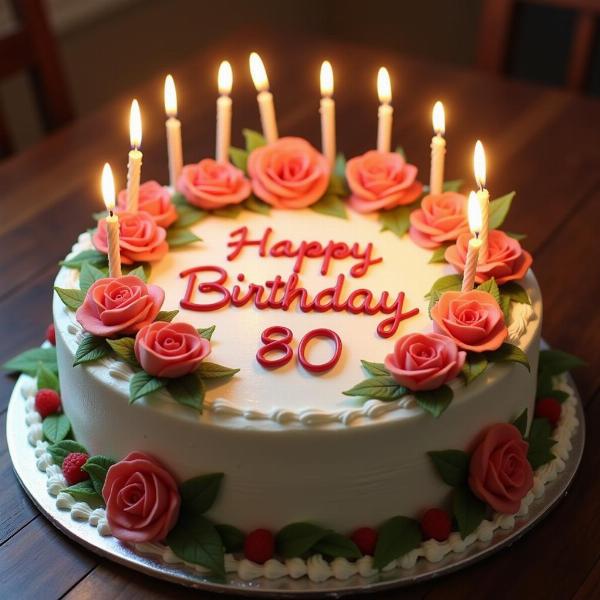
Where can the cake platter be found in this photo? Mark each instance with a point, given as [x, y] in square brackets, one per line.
[35, 484]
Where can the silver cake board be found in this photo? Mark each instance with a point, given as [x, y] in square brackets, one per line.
[34, 483]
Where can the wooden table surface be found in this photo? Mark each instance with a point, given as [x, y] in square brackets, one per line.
[544, 143]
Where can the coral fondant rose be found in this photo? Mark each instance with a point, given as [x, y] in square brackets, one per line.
[441, 218]
[142, 499]
[506, 259]
[424, 361]
[140, 238]
[119, 305]
[154, 199]
[211, 185]
[499, 472]
[289, 173]
[381, 180]
[472, 319]
[170, 349]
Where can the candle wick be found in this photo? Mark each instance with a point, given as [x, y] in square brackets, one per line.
[110, 213]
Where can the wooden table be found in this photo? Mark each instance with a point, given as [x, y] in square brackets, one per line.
[541, 142]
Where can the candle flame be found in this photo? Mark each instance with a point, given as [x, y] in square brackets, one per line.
[479, 164]
[439, 118]
[108, 187]
[258, 72]
[225, 78]
[170, 97]
[326, 79]
[474, 212]
[384, 86]
[135, 125]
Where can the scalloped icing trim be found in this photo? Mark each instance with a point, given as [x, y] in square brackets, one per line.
[315, 567]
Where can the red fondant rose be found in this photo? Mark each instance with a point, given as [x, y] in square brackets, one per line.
[170, 349]
[472, 319]
[119, 305]
[441, 218]
[289, 173]
[154, 199]
[140, 239]
[424, 361]
[381, 180]
[506, 259]
[142, 499]
[211, 185]
[499, 472]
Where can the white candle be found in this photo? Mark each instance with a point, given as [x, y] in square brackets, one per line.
[265, 98]
[224, 81]
[474, 247]
[173, 126]
[385, 112]
[134, 165]
[479, 165]
[327, 111]
[438, 150]
[112, 222]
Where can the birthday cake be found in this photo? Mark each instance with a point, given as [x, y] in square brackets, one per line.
[296, 367]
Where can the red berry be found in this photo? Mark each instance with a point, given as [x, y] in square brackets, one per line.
[436, 524]
[51, 334]
[366, 539]
[47, 402]
[259, 546]
[72, 467]
[548, 408]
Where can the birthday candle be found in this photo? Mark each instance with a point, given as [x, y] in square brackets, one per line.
[134, 166]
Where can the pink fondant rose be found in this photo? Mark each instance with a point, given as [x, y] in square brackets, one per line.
[424, 361]
[142, 499]
[499, 472]
[441, 218]
[381, 180]
[472, 319]
[140, 239]
[154, 199]
[211, 185]
[289, 173]
[119, 305]
[506, 259]
[170, 349]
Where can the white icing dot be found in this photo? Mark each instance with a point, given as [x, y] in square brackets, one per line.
[296, 567]
[273, 569]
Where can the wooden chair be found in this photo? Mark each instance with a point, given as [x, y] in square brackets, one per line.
[33, 48]
[495, 35]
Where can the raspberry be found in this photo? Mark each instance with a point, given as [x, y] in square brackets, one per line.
[548, 408]
[436, 524]
[51, 334]
[366, 540]
[72, 467]
[259, 546]
[47, 402]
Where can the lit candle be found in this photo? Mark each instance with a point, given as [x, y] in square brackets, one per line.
[265, 98]
[224, 81]
[173, 126]
[327, 111]
[483, 195]
[112, 222]
[474, 210]
[385, 112]
[134, 166]
[438, 150]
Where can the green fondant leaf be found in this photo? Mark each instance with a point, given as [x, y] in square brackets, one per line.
[298, 538]
[91, 348]
[438, 255]
[505, 303]
[396, 220]
[434, 298]
[56, 428]
[544, 383]
[435, 402]
[381, 387]
[29, 362]
[199, 494]
[509, 353]
[71, 298]
[208, 370]
[196, 540]
[374, 368]
[91, 256]
[254, 204]
[166, 315]
[330, 205]
[232, 537]
[396, 537]
[188, 215]
[141, 272]
[181, 237]
[521, 423]
[142, 384]
[540, 443]
[475, 365]
[337, 186]
[468, 510]
[452, 185]
[178, 199]
[253, 139]
[47, 379]
[124, 348]
[499, 209]
[340, 166]
[491, 287]
[447, 283]
[60, 450]
[239, 158]
[400, 150]
[335, 545]
[187, 390]
[451, 465]
[228, 212]
[557, 395]
[207, 332]
[84, 491]
[97, 467]
[516, 236]
[555, 362]
[515, 292]
[89, 274]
